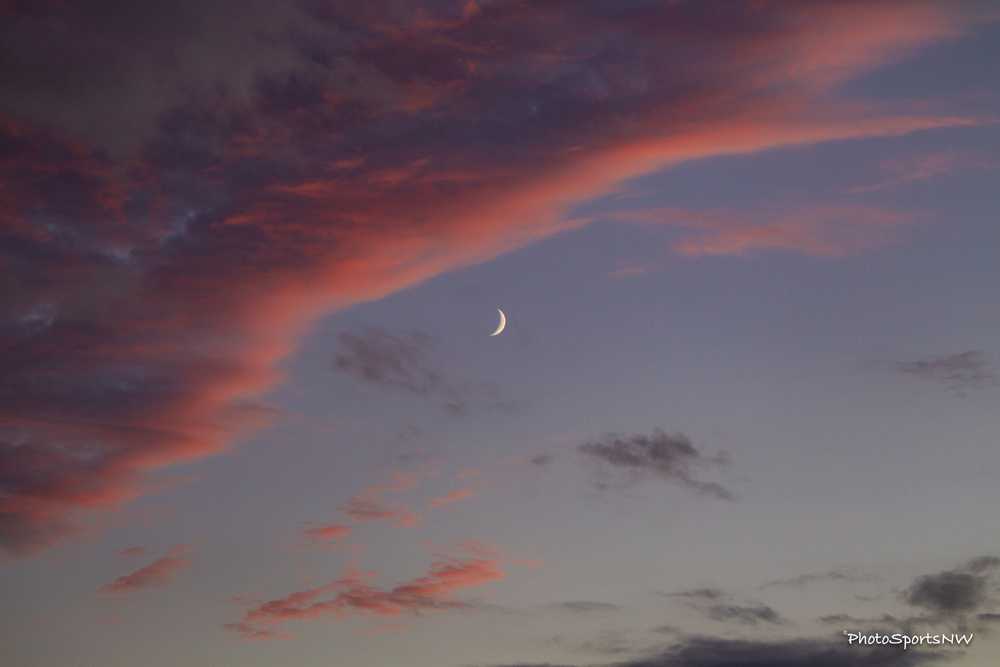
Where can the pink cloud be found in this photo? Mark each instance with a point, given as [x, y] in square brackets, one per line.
[136, 345]
[822, 231]
[157, 574]
[920, 168]
[330, 532]
[353, 594]
[455, 496]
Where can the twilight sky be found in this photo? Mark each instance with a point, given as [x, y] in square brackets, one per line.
[251, 254]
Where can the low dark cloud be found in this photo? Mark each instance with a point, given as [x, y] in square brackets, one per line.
[960, 372]
[541, 460]
[669, 457]
[404, 362]
[839, 576]
[718, 652]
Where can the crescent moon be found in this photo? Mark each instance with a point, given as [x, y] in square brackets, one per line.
[502, 325]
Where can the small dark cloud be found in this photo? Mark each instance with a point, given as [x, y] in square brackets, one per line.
[847, 620]
[836, 576]
[670, 457]
[743, 614]
[989, 617]
[959, 372]
[541, 460]
[403, 362]
[947, 593]
[585, 606]
[700, 594]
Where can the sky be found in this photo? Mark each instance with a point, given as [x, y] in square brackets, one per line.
[251, 412]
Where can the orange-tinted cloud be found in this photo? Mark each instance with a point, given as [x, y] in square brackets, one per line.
[353, 594]
[330, 532]
[823, 231]
[157, 574]
[147, 303]
[455, 496]
[900, 172]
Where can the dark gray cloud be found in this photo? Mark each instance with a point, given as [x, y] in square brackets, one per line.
[585, 606]
[541, 460]
[404, 362]
[717, 652]
[670, 457]
[699, 594]
[982, 564]
[948, 593]
[743, 614]
[717, 605]
[840, 576]
[959, 372]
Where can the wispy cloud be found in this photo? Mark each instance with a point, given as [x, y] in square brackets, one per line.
[157, 574]
[456, 496]
[959, 372]
[585, 607]
[403, 362]
[833, 230]
[325, 533]
[900, 172]
[838, 576]
[354, 594]
[669, 457]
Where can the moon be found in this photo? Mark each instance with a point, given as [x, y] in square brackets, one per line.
[502, 325]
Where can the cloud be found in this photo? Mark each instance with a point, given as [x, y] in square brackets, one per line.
[458, 495]
[328, 155]
[363, 510]
[719, 652]
[837, 576]
[585, 606]
[670, 457]
[948, 593]
[716, 605]
[700, 594]
[330, 532]
[921, 168]
[157, 574]
[716, 652]
[541, 460]
[982, 564]
[744, 614]
[819, 231]
[959, 372]
[354, 595]
[403, 362]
